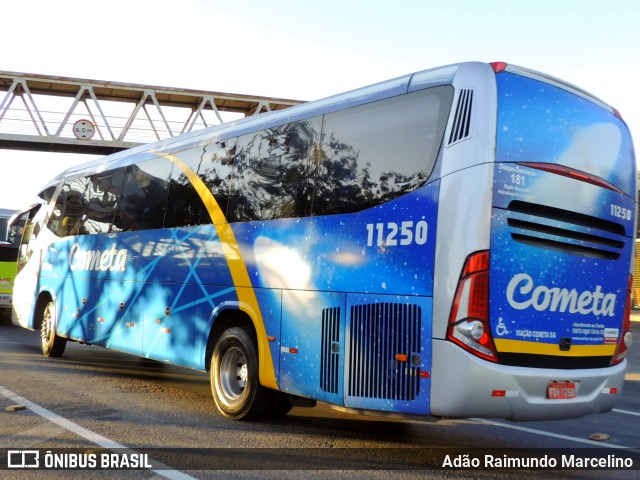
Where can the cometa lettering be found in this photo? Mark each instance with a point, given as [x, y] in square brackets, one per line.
[522, 293]
[112, 260]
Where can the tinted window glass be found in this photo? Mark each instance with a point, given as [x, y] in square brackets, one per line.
[376, 152]
[538, 122]
[28, 223]
[144, 195]
[273, 172]
[185, 207]
[215, 170]
[69, 209]
[101, 199]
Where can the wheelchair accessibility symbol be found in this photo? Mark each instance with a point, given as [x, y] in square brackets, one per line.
[501, 329]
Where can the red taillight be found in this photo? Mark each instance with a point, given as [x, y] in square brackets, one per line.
[624, 342]
[469, 319]
[499, 66]
[571, 173]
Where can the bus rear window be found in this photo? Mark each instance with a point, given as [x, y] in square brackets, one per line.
[539, 122]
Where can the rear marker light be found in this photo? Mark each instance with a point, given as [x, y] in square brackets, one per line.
[504, 393]
[499, 66]
[292, 350]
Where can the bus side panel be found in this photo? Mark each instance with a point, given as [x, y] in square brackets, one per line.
[388, 353]
[167, 312]
[138, 292]
[121, 317]
[78, 312]
[313, 344]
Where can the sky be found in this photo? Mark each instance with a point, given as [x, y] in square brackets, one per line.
[306, 50]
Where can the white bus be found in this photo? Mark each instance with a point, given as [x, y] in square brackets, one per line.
[455, 242]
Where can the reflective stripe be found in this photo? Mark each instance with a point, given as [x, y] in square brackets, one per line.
[519, 346]
[238, 269]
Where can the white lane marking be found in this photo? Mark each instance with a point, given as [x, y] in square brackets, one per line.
[554, 435]
[93, 437]
[626, 412]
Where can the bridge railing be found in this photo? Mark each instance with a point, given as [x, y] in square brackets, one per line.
[46, 113]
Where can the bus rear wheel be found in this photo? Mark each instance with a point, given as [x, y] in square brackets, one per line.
[234, 377]
[52, 344]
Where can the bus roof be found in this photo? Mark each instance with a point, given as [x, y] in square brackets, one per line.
[411, 82]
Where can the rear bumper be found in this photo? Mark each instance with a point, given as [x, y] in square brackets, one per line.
[462, 386]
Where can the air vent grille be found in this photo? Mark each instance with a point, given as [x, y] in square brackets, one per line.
[384, 359]
[330, 350]
[461, 127]
[562, 230]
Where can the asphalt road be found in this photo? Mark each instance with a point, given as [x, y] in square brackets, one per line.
[93, 401]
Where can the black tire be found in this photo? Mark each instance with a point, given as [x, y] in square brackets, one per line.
[52, 344]
[280, 405]
[235, 384]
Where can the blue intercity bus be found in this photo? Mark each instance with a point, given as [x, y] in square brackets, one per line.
[455, 242]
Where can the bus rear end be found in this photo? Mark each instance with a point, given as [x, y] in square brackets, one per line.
[541, 318]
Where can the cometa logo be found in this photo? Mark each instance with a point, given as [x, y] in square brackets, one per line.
[112, 260]
[522, 293]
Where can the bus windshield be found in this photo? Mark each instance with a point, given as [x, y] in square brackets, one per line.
[539, 122]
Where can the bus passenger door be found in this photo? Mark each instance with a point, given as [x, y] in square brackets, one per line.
[313, 345]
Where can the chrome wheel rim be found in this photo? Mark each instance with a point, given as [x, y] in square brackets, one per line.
[46, 329]
[234, 374]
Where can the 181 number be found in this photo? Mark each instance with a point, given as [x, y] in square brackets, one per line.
[392, 234]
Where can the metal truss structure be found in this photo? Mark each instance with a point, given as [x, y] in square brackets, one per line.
[47, 113]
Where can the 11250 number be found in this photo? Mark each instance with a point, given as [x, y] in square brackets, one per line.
[392, 234]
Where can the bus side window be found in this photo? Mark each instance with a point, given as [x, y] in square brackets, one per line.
[375, 152]
[273, 172]
[144, 195]
[101, 197]
[69, 208]
[216, 168]
[185, 207]
[213, 164]
[29, 226]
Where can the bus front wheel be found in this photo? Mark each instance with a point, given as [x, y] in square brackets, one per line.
[52, 344]
[234, 376]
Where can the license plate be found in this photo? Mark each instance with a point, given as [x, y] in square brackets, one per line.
[561, 390]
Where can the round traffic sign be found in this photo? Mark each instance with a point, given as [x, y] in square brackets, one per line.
[83, 130]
